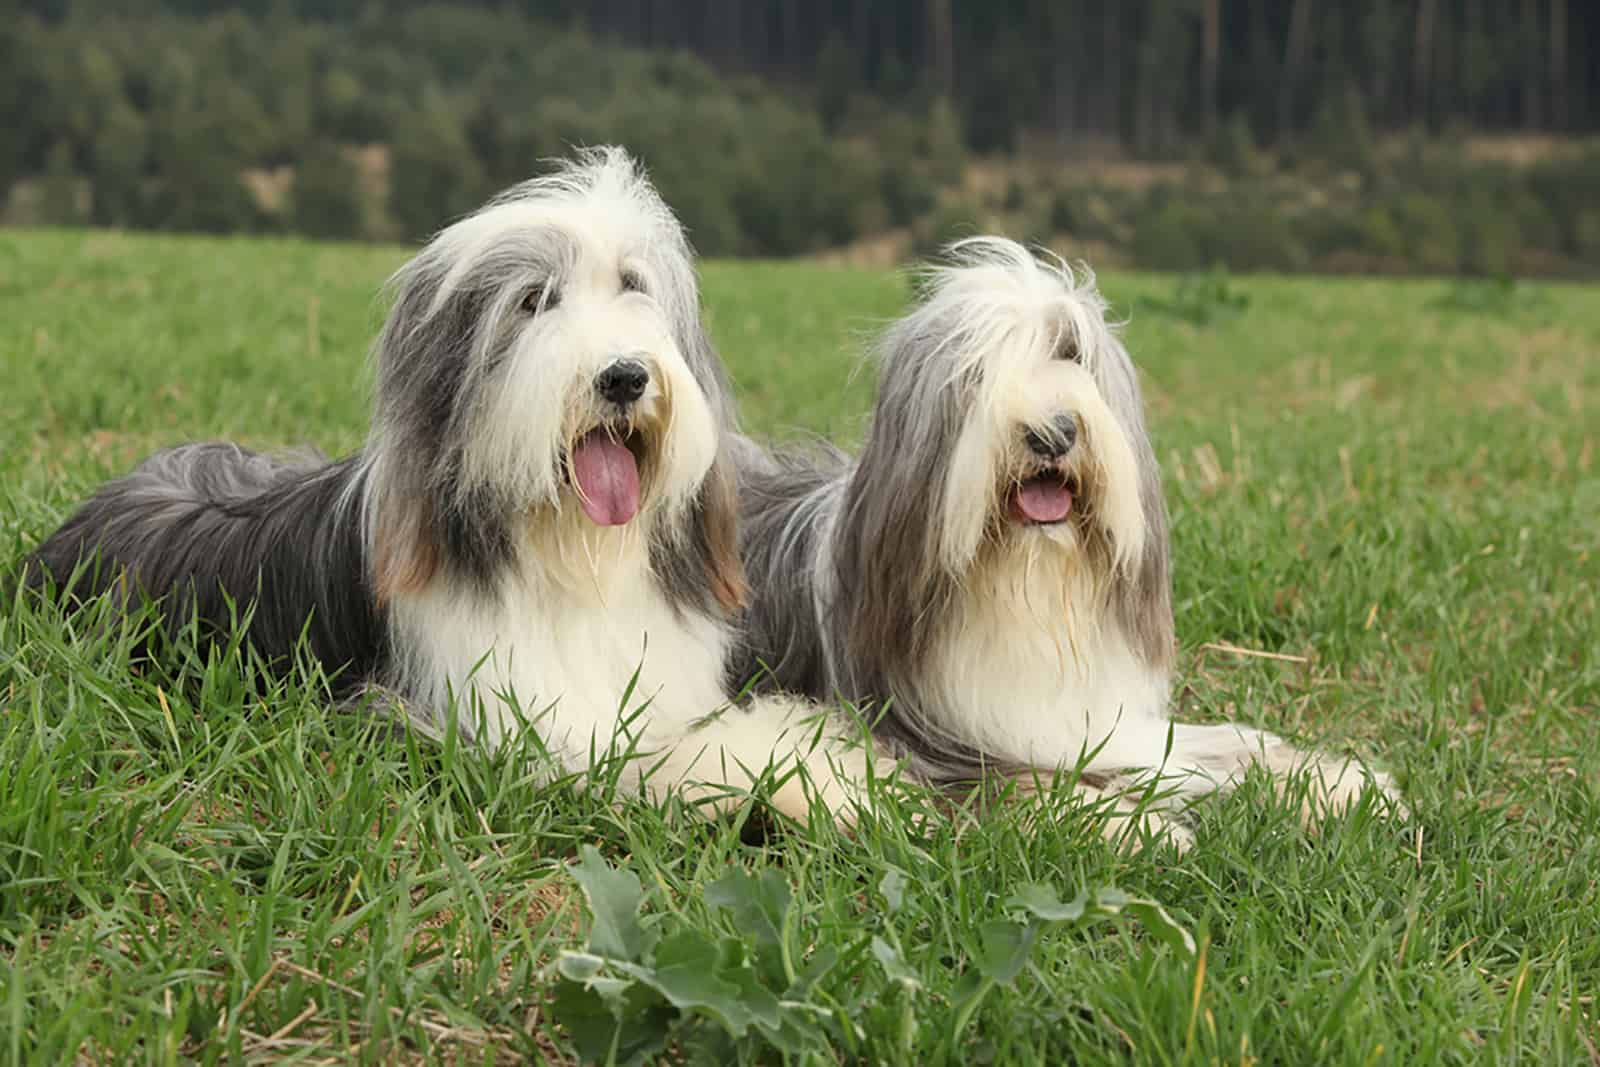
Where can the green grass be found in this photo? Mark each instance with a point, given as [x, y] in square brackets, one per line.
[1391, 485]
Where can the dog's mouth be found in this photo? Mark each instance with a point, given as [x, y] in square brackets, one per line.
[604, 466]
[1043, 499]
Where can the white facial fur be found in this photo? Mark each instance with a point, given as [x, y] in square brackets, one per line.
[538, 396]
[1029, 348]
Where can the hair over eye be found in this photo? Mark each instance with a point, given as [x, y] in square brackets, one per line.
[541, 297]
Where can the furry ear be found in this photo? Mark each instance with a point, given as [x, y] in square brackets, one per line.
[715, 519]
[698, 562]
[422, 359]
[1144, 602]
[405, 548]
[718, 520]
[890, 573]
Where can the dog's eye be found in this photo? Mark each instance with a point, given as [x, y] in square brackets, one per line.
[632, 282]
[1068, 351]
[541, 297]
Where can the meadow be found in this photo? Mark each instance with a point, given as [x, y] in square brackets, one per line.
[1387, 540]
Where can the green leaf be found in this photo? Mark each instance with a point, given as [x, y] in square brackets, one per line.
[894, 966]
[1004, 948]
[1042, 902]
[758, 905]
[614, 897]
[1152, 916]
[893, 888]
[636, 1026]
[1161, 926]
[696, 975]
[821, 962]
[580, 966]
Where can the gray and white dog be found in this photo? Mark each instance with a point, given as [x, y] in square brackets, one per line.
[541, 524]
[990, 574]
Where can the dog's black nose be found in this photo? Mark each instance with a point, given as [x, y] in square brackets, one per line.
[623, 381]
[1055, 438]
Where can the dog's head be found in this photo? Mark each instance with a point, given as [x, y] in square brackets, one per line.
[1008, 424]
[544, 372]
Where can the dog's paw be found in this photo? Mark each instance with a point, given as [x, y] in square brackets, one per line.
[1336, 785]
[1132, 819]
[1139, 830]
[836, 775]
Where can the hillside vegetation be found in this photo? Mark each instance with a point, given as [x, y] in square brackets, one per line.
[1269, 138]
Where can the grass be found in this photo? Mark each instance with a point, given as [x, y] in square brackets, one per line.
[1394, 492]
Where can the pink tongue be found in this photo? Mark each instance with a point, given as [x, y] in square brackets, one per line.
[607, 477]
[1043, 501]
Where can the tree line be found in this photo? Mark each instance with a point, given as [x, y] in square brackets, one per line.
[150, 114]
[778, 127]
[1152, 74]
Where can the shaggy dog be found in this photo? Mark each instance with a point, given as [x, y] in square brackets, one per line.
[991, 573]
[541, 528]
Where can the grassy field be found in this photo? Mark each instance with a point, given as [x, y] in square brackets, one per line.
[1390, 486]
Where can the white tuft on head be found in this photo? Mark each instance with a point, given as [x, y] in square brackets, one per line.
[1020, 340]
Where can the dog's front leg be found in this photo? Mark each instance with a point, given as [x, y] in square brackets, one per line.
[1216, 758]
[811, 755]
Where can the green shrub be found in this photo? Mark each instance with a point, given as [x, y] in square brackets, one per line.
[907, 192]
[1432, 243]
[1066, 213]
[949, 222]
[1340, 134]
[1201, 298]
[59, 202]
[1250, 238]
[1173, 237]
[1016, 196]
[120, 157]
[1380, 233]
[1489, 239]
[327, 194]
[433, 176]
[1232, 148]
[1586, 238]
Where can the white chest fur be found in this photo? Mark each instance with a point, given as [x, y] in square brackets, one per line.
[1033, 669]
[563, 653]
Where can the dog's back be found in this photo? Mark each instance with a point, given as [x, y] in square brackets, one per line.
[783, 496]
[212, 531]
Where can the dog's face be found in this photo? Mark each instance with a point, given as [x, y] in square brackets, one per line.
[1008, 425]
[1028, 379]
[544, 367]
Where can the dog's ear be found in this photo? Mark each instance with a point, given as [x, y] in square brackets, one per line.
[421, 358]
[1145, 600]
[716, 509]
[718, 533]
[698, 561]
[405, 547]
[892, 581]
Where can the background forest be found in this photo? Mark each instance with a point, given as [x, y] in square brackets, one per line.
[1349, 135]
